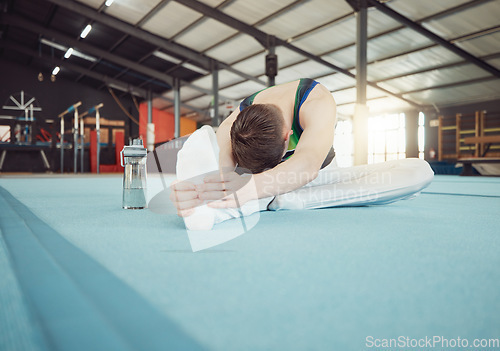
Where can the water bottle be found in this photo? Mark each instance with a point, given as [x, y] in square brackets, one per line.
[133, 159]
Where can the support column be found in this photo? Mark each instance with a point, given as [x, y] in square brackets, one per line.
[177, 108]
[215, 88]
[411, 126]
[360, 122]
[271, 61]
[62, 144]
[75, 141]
[150, 129]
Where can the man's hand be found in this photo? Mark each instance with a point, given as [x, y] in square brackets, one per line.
[222, 189]
[226, 189]
[185, 197]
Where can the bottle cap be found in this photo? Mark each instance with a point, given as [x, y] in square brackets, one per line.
[135, 150]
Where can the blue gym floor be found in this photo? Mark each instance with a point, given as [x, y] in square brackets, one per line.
[79, 273]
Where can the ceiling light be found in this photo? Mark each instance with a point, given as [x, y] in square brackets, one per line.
[83, 56]
[54, 45]
[108, 2]
[68, 53]
[56, 70]
[86, 31]
[65, 49]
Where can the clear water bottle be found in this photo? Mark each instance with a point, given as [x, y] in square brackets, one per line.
[133, 159]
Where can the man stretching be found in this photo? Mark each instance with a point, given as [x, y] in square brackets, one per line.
[283, 136]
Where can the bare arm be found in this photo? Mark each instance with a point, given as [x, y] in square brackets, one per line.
[318, 118]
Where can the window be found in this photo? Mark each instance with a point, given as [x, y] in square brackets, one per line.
[386, 138]
[421, 135]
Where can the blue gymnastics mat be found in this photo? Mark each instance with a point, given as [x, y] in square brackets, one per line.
[80, 273]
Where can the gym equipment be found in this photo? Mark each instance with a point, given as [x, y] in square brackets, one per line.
[119, 144]
[97, 128]
[27, 104]
[21, 127]
[72, 108]
[468, 135]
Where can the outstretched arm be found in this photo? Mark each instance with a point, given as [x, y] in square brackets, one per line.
[318, 117]
[185, 194]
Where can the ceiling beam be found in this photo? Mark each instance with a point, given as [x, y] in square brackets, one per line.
[322, 26]
[434, 37]
[262, 37]
[260, 22]
[438, 15]
[140, 92]
[434, 87]
[452, 85]
[129, 29]
[259, 35]
[230, 21]
[456, 9]
[191, 55]
[152, 13]
[444, 13]
[158, 7]
[418, 71]
[143, 20]
[72, 67]
[441, 86]
[199, 21]
[119, 74]
[437, 67]
[18, 21]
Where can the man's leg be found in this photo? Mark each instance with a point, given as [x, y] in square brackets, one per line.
[375, 184]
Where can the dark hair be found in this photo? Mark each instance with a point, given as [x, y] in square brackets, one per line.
[257, 139]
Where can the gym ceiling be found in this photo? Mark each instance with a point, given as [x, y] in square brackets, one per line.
[425, 54]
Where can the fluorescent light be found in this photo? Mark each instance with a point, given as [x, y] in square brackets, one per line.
[86, 31]
[68, 53]
[54, 45]
[83, 56]
[64, 48]
[108, 2]
[56, 70]
[166, 57]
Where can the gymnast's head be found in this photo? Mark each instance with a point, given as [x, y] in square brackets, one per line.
[259, 137]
